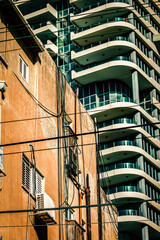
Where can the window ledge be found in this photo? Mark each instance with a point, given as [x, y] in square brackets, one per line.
[74, 221]
[32, 196]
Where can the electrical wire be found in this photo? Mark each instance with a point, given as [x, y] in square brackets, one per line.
[42, 33]
[72, 135]
[70, 224]
[69, 114]
[107, 10]
[54, 148]
[74, 207]
[27, 1]
[36, 100]
[60, 30]
[47, 44]
[21, 27]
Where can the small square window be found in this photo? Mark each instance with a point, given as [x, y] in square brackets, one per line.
[23, 68]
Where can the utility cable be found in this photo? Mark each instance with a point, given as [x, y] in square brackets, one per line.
[36, 100]
[45, 149]
[72, 135]
[54, 148]
[128, 7]
[39, 34]
[30, 1]
[62, 29]
[47, 44]
[70, 224]
[69, 114]
[73, 207]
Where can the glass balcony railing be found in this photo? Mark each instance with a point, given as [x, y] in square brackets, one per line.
[129, 212]
[115, 121]
[115, 19]
[124, 189]
[118, 166]
[122, 58]
[148, 106]
[108, 100]
[118, 38]
[100, 3]
[76, 49]
[103, 146]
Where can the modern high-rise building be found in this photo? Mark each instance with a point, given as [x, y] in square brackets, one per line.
[106, 49]
[46, 180]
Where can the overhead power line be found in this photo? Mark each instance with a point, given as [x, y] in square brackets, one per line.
[73, 135]
[68, 114]
[48, 44]
[61, 19]
[63, 147]
[47, 110]
[70, 223]
[34, 210]
[61, 30]
[146, 5]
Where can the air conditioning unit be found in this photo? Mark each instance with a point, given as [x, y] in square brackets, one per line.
[43, 201]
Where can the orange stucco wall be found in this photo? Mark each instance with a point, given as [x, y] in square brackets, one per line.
[20, 105]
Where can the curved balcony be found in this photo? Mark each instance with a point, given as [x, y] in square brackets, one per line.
[115, 121]
[109, 99]
[117, 38]
[119, 165]
[124, 189]
[93, 16]
[117, 58]
[104, 70]
[129, 212]
[109, 20]
[103, 146]
[98, 4]
[131, 220]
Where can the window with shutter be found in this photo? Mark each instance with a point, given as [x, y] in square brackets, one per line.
[32, 180]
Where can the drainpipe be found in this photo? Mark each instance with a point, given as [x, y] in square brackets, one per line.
[3, 87]
[98, 182]
[88, 209]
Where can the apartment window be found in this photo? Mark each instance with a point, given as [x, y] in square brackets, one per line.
[72, 152]
[32, 180]
[23, 68]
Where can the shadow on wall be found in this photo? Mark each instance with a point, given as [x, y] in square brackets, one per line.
[41, 229]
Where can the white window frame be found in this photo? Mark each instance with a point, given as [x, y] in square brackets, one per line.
[28, 175]
[23, 69]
